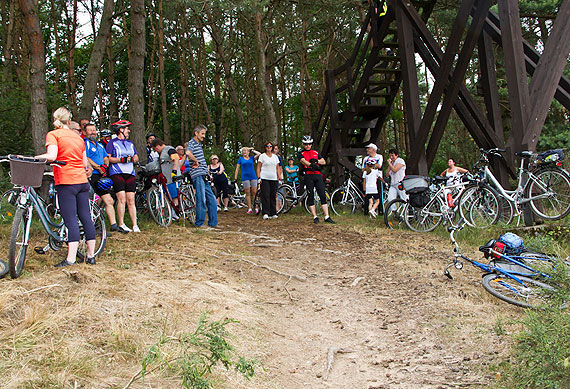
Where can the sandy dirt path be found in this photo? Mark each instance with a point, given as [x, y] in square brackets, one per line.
[299, 291]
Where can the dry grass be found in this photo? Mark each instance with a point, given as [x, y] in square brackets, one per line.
[95, 327]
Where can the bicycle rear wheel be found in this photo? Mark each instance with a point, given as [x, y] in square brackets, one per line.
[549, 194]
[394, 214]
[529, 294]
[424, 219]
[159, 207]
[8, 204]
[288, 196]
[98, 217]
[18, 242]
[342, 201]
[187, 201]
[3, 269]
[318, 207]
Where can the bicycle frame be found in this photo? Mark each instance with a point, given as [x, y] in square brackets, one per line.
[30, 199]
[516, 196]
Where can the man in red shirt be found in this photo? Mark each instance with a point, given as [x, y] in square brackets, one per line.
[311, 162]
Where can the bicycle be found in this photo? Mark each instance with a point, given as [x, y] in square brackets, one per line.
[513, 279]
[544, 185]
[279, 203]
[428, 205]
[346, 198]
[292, 198]
[236, 198]
[26, 173]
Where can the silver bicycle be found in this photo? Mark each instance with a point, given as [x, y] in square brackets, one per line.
[543, 185]
[348, 197]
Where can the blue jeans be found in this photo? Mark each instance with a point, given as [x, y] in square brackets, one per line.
[205, 200]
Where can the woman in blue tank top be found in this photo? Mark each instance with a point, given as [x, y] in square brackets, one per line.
[248, 176]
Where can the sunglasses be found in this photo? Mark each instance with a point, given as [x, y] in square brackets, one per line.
[268, 146]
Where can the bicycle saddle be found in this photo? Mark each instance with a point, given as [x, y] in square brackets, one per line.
[486, 248]
[439, 179]
[178, 178]
[524, 154]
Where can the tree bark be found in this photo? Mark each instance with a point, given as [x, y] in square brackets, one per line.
[136, 72]
[271, 130]
[38, 111]
[165, 124]
[96, 60]
[71, 80]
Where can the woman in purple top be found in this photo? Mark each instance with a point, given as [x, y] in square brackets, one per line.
[122, 157]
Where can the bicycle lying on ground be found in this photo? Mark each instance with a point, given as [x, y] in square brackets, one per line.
[544, 185]
[520, 279]
[27, 173]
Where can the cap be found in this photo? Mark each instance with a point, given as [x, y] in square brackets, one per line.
[373, 146]
[214, 156]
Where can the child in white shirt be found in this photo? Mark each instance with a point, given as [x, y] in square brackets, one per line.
[370, 177]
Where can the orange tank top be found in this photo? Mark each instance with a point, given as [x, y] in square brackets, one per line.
[70, 149]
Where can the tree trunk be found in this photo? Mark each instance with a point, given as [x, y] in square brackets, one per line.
[38, 110]
[96, 60]
[113, 106]
[271, 130]
[136, 72]
[223, 57]
[71, 80]
[165, 125]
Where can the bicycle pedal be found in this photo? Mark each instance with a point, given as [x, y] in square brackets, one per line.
[39, 250]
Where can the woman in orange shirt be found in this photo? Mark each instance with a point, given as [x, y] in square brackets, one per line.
[71, 183]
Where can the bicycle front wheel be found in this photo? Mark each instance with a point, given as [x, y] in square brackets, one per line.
[18, 242]
[394, 214]
[530, 294]
[424, 219]
[342, 201]
[158, 206]
[549, 194]
[479, 206]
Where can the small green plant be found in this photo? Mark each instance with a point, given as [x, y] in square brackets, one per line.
[192, 356]
[498, 327]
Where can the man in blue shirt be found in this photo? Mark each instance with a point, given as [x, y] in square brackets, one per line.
[205, 199]
[99, 160]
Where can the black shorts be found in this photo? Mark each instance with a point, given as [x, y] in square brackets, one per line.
[93, 180]
[124, 182]
[375, 196]
[315, 181]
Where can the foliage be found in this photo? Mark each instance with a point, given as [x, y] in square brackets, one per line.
[192, 356]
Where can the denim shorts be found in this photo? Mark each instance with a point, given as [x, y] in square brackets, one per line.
[249, 184]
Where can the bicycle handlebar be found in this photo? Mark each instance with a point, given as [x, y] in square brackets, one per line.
[6, 158]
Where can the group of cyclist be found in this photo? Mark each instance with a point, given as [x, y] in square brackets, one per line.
[107, 164]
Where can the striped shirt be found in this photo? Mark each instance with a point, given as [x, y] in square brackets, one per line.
[198, 152]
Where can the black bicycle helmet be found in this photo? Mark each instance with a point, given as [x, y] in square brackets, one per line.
[105, 133]
[307, 140]
[120, 125]
[149, 135]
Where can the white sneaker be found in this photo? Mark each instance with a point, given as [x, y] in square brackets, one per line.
[265, 217]
[225, 209]
[274, 217]
[124, 227]
[373, 213]
[136, 229]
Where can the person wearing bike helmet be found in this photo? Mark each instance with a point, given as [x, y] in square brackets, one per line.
[105, 136]
[151, 154]
[311, 162]
[99, 160]
[71, 182]
[122, 157]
